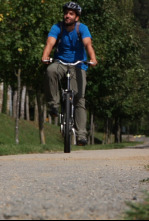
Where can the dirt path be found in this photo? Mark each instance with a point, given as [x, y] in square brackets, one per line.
[83, 185]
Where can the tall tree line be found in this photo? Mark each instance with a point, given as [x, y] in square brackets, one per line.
[117, 87]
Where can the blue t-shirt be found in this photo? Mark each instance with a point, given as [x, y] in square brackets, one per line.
[70, 48]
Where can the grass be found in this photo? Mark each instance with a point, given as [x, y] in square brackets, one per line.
[107, 146]
[138, 211]
[29, 139]
[29, 143]
[147, 167]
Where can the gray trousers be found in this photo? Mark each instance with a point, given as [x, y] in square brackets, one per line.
[57, 71]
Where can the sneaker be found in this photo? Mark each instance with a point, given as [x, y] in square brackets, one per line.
[54, 112]
[82, 142]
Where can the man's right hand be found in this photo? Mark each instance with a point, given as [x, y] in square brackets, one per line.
[46, 60]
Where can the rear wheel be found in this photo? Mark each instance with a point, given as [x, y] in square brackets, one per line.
[67, 137]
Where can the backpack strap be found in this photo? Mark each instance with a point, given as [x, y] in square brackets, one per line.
[59, 36]
[78, 31]
[61, 33]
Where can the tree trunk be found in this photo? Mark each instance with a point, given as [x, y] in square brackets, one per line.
[128, 133]
[23, 103]
[50, 119]
[56, 121]
[36, 114]
[92, 129]
[118, 135]
[9, 102]
[45, 113]
[41, 120]
[108, 131]
[1, 95]
[27, 107]
[18, 107]
[4, 106]
[14, 103]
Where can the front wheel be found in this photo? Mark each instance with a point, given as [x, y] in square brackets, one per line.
[67, 137]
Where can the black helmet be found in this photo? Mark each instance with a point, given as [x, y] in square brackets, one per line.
[74, 6]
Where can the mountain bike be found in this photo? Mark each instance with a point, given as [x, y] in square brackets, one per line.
[67, 126]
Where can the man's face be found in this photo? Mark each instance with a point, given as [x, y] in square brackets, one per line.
[70, 17]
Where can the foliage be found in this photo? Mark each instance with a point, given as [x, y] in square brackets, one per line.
[117, 87]
[119, 84]
[141, 8]
[24, 30]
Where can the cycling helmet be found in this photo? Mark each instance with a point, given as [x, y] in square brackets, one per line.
[74, 6]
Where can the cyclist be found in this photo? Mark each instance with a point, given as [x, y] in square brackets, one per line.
[73, 39]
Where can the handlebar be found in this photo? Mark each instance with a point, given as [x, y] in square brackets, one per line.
[76, 63]
[69, 64]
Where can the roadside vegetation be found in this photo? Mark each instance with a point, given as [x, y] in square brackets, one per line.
[138, 211]
[117, 91]
[29, 136]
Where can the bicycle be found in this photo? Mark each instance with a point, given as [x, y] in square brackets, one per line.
[67, 107]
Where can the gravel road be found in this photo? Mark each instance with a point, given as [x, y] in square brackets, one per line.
[83, 185]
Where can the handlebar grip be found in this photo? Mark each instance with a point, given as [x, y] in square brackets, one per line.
[88, 62]
[48, 61]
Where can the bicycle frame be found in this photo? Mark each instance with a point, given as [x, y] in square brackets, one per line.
[67, 96]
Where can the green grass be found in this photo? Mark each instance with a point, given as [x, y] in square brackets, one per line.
[28, 132]
[28, 136]
[147, 167]
[106, 146]
[29, 139]
[138, 211]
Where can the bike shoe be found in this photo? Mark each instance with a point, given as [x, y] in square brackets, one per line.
[54, 112]
[82, 142]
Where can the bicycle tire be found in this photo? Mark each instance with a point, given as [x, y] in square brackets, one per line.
[67, 138]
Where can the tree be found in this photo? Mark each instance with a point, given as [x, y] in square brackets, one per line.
[116, 88]
[24, 26]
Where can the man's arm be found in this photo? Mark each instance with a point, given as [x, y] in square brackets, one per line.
[48, 48]
[88, 45]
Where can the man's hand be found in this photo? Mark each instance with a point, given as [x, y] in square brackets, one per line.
[46, 60]
[94, 62]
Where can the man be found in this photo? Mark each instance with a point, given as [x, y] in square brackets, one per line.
[70, 48]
